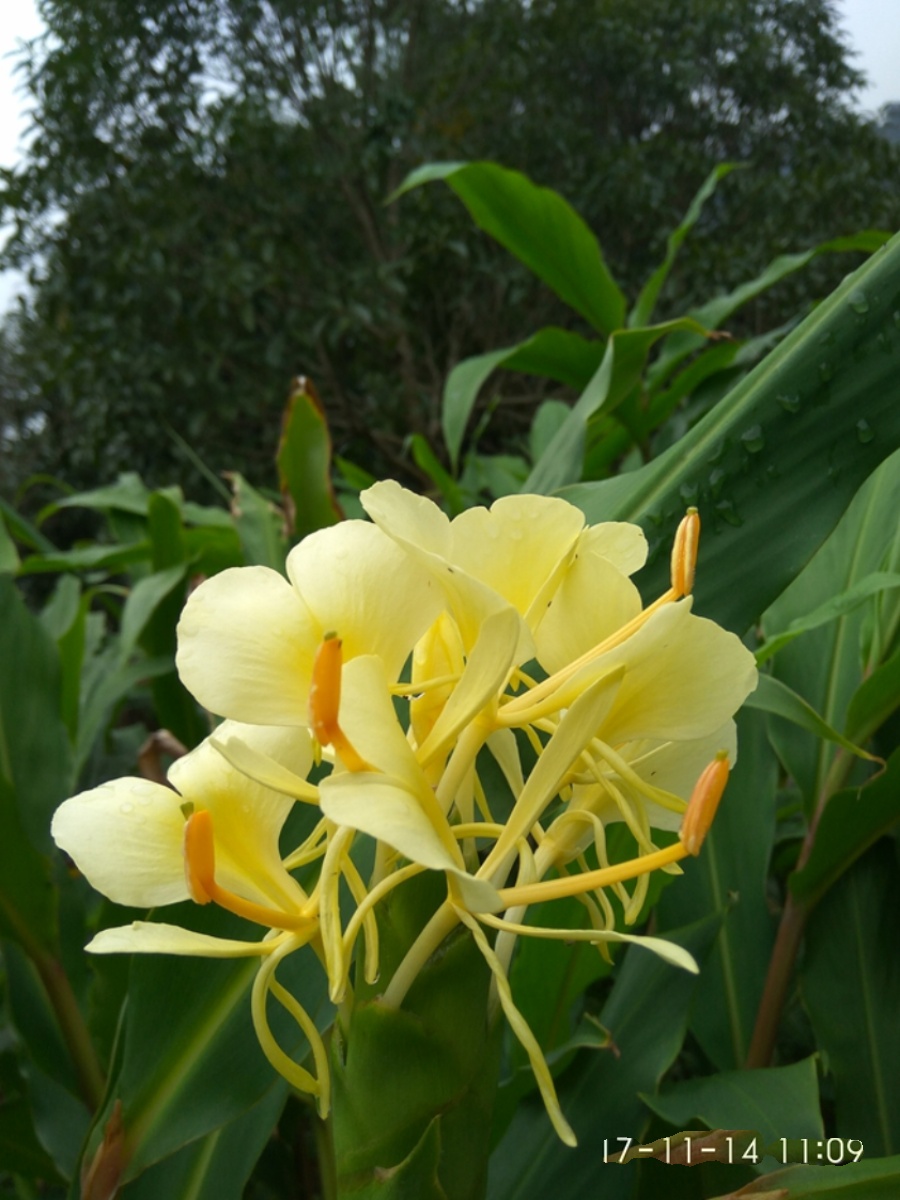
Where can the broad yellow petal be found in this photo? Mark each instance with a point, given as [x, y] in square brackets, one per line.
[359, 584]
[621, 542]
[517, 545]
[146, 937]
[684, 678]
[246, 643]
[126, 838]
[385, 809]
[593, 600]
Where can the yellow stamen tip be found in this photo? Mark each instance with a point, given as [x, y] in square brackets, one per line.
[684, 553]
[704, 803]
[200, 856]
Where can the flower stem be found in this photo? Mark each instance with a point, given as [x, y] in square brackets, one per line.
[442, 923]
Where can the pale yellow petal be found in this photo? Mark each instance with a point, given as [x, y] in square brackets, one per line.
[361, 585]
[246, 643]
[675, 767]
[593, 600]
[424, 533]
[622, 543]
[126, 837]
[485, 674]
[407, 517]
[517, 545]
[369, 720]
[383, 808]
[145, 937]
[684, 678]
[247, 817]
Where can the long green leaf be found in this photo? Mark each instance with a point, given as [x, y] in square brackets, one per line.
[852, 820]
[540, 228]
[773, 466]
[781, 1102]
[773, 696]
[827, 665]
[715, 312]
[304, 463]
[646, 301]
[851, 988]
[190, 1060]
[552, 353]
[619, 372]
[730, 877]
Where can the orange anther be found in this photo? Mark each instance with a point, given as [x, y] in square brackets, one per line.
[325, 703]
[684, 553]
[200, 856]
[703, 803]
[325, 690]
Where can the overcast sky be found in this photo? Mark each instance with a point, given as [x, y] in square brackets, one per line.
[872, 28]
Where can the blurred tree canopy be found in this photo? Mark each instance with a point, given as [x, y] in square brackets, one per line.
[202, 208]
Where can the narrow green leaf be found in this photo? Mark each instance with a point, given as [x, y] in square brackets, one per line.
[852, 821]
[35, 758]
[143, 601]
[773, 696]
[826, 665]
[260, 525]
[20, 1151]
[876, 699]
[426, 460]
[166, 528]
[620, 370]
[646, 301]
[23, 530]
[304, 463]
[850, 984]
[128, 494]
[27, 901]
[540, 228]
[9, 555]
[716, 311]
[837, 606]
[746, 464]
[88, 558]
[551, 353]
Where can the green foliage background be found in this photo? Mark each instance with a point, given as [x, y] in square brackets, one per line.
[216, 241]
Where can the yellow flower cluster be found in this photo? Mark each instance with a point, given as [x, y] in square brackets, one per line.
[513, 632]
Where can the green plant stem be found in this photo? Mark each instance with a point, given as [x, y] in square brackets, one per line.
[442, 923]
[325, 1154]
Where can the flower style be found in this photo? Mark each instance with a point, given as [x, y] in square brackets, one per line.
[625, 715]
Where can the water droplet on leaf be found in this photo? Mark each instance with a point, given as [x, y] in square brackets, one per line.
[752, 439]
[864, 432]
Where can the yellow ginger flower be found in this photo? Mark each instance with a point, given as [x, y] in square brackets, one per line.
[632, 716]
[211, 837]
